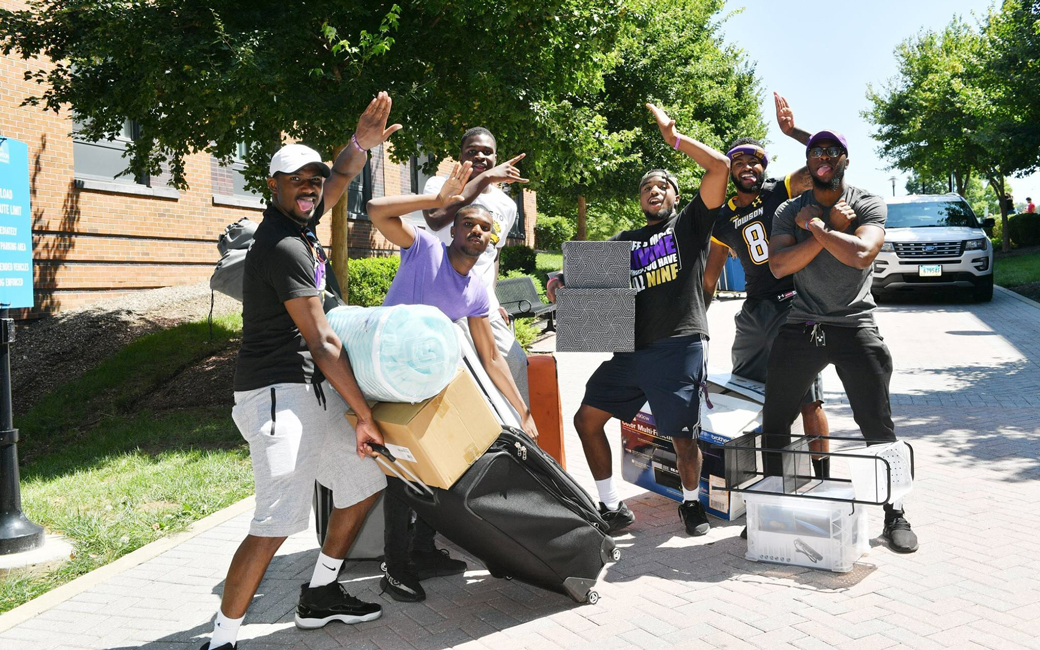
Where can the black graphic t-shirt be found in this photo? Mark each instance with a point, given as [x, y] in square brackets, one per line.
[283, 262]
[746, 231]
[668, 269]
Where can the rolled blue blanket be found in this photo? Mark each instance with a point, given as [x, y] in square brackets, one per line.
[404, 353]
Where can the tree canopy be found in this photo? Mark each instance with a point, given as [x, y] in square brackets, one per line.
[959, 103]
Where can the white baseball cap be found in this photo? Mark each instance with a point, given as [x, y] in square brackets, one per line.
[293, 157]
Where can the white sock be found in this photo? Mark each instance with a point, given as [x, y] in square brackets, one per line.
[326, 569]
[897, 505]
[691, 495]
[608, 493]
[225, 630]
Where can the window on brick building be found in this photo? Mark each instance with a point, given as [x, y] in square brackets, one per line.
[238, 177]
[359, 193]
[419, 177]
[103, 160]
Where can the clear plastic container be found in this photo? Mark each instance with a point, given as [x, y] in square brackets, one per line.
[805, 530]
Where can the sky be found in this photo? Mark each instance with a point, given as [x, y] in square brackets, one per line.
[822, 55]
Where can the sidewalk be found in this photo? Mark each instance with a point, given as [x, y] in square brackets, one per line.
[965, 394]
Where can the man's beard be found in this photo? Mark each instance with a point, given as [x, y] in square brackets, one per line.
[834, 183]
[755, 187]
[660, 214]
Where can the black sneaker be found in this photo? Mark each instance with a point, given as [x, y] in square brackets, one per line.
[319, 606]
[401, 583]
[226, 646]
[696, 520]
[897, 531]
[436, 563]
[617, 518]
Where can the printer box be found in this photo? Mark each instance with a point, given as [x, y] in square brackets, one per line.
[439, 438]
[648, 459]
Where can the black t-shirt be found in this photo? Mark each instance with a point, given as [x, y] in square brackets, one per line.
[746, 230]
[281, 265]
[668, 269]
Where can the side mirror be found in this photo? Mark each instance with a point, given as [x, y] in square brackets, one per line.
[989, 222]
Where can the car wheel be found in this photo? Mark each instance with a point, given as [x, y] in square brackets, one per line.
[984, 289]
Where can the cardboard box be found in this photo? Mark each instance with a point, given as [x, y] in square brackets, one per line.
[597, 264]
[595, 320]
[648, 460]
[438, 439]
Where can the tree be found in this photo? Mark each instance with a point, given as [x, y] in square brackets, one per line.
[670, 53]
[205, 76]
[956, 105]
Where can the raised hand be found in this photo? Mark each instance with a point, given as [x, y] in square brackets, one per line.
[372, 130]
[451, 191]
[506, 172]
[784, 114]
[665, 124]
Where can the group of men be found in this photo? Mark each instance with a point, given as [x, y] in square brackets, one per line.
[811, 227]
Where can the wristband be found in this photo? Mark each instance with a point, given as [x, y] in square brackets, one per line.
[353, 141]
[677, 139]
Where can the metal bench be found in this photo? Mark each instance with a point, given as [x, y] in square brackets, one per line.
[520, 299]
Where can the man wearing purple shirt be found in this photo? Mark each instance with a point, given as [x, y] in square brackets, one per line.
[438, 275]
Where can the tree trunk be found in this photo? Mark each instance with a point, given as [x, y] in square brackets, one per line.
[341, 239]
[581, 236]
[997, 183]
[961, 181]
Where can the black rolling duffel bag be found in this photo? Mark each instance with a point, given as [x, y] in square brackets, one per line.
[517, 511]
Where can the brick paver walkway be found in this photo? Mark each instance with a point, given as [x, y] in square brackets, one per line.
[966, 394]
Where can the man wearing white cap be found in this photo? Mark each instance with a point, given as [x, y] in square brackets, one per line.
[284, 406]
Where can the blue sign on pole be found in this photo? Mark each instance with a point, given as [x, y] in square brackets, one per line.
[16, 273]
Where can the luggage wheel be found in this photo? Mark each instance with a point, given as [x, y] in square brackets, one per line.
[615, 554]
[592, 597]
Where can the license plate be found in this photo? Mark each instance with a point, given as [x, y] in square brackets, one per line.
[929, 270]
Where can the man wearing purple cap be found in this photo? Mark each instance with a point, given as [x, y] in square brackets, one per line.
[743, 225]
[285, 405]
[828, 239]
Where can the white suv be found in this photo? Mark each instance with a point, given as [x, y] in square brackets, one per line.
[933, 241]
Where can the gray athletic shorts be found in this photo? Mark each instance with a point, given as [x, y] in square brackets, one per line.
[293, 441]
[513, 352]
[758, 322]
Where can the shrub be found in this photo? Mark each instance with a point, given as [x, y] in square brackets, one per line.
[551, 232]
[370, 279]
[1025, 228]
[519, 258]
[526, 331]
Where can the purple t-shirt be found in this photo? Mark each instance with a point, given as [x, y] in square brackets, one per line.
[426, 277]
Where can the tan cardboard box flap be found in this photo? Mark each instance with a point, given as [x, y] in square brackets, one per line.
[444, 434]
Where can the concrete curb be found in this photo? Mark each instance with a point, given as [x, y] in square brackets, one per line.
[1017, 296]
[59, 595]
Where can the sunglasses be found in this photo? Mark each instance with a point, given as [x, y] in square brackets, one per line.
[833, 151]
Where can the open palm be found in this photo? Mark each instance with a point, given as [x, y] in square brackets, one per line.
[451, 191]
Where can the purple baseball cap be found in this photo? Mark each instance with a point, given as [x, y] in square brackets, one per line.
[826, 135]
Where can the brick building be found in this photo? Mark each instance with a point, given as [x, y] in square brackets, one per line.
[96, 236]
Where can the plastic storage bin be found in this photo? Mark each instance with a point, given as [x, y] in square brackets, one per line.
[804, 531]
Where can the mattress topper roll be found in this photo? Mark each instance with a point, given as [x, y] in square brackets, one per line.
[404, 353]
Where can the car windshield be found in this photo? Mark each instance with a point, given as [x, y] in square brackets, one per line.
[930, 214]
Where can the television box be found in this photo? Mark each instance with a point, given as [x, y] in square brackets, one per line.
[648, 460]
[439, 438]
[595, 320]
[597, 264]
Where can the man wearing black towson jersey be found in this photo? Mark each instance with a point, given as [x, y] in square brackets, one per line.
[743, 225]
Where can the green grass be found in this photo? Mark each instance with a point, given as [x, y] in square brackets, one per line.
[111, 478]
[1016, 270]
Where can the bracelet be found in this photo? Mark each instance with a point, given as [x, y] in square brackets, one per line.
[677, 140]
[353, 141]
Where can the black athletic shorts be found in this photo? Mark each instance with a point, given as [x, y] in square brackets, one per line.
[758, 322]
[669, 374]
